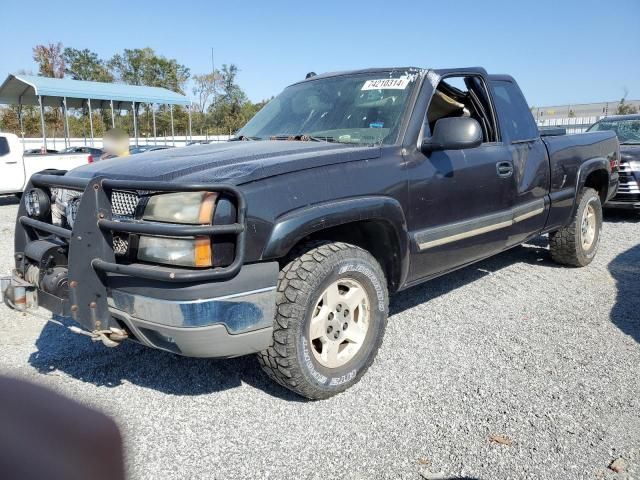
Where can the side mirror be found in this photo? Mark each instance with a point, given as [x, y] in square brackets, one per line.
[453, 133]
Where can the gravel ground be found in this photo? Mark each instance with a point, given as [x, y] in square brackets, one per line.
[545, 358]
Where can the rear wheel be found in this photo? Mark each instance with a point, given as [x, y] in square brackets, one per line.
[577, 243]
[330, 320]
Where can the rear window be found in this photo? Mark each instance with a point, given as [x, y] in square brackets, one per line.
[4, 146]
[516, 121]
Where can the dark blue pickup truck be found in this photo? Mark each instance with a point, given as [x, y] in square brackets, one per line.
[288, 240]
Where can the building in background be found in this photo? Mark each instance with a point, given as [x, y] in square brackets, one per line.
[577, 118]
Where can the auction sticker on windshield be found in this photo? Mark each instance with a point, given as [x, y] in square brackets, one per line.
[386, 84]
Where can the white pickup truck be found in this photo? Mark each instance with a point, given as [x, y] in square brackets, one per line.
[16, 167]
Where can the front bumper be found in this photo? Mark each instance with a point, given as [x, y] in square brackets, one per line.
[221, 324]
[221, 319]
[620, 203]
[218, 311]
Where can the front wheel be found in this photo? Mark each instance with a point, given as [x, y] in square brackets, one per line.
[577, 243]
[331, 316]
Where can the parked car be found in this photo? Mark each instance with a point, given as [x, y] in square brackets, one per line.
[17, 165]
[96, 153]
[147, 148]
[202, 142]
[288, 241]
[39, 151]
[627, 128]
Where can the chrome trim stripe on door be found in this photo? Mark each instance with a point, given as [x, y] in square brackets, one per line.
[453, 232]
[526, 215]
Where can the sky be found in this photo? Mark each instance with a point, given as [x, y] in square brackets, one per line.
[560, 51]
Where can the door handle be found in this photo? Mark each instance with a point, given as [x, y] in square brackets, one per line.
[504, 169]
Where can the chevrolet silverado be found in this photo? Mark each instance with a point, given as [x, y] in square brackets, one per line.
[287, 241]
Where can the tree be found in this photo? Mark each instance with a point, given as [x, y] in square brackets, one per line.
[206, 88]
[85, 65]
[623, 107]
[232, 93]
[229, 112]
[141, 66]
[50, 60]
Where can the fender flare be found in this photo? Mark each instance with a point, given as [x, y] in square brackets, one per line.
[292, 227]
[586, 169]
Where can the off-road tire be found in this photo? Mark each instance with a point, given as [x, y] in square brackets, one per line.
[313, 267]
[566, 244]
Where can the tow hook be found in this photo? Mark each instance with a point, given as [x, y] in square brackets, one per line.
[18, 295]
[110, 338]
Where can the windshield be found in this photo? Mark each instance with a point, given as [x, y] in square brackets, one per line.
[628, 131]
[359, 109]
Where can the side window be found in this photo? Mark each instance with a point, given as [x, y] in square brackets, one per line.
[4, 146]
[516, 121]
[462, 96]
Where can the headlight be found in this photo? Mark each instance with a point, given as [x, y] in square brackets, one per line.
[188, 207]
[634, 165]
[195, 208]
[37, 203]
[186, 252]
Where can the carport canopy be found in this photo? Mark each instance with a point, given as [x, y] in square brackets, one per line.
[25, 90]
[62, 92]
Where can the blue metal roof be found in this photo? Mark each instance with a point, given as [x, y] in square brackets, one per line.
[27, 88]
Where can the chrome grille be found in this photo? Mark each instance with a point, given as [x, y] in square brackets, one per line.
[124, 204]
[628, 183]
[65, 204]
[120, 245]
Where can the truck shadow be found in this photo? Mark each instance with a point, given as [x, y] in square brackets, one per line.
[625, 269]
[534, 252]
[621, 216]
[8, 200]
[58, 349]
[75, 355]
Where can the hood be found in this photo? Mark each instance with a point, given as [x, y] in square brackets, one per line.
[230, 162]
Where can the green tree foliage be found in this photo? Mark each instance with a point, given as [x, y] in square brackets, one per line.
[85, 65]
[141, 66]
[231, 109]
[624, 108]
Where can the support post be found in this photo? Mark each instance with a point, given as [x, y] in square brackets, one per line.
[153, 114]
[90, 119]
[189, 107]
[67, 135]
[135, 123]
[173, 133]
[113, 117]
[44, 132]
[20, 120]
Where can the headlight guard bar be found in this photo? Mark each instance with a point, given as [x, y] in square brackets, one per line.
[90, 242]
[104, 223]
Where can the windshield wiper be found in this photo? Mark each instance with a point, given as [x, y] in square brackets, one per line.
[303, 138]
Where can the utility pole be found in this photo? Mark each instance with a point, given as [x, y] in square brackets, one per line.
[213, 73]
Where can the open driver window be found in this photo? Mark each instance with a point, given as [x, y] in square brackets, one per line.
[463, 96]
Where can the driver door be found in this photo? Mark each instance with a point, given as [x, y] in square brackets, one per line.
[460, 201]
